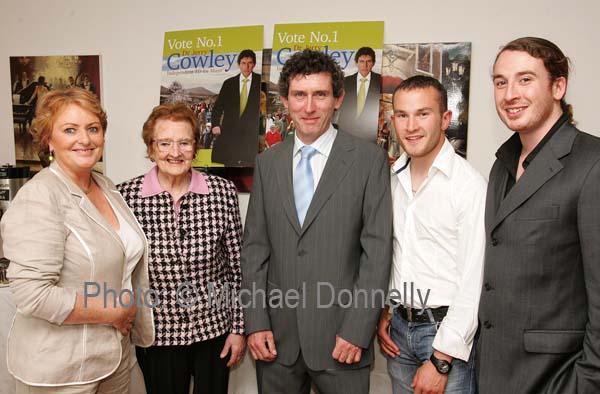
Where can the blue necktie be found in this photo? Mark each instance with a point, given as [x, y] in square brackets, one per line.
[303, 182]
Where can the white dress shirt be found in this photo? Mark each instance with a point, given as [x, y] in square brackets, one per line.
[323, 146]
[367, 83]
[134, 247]
[249, 78]
[439, 242]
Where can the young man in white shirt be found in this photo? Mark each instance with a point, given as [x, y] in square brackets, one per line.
[438, 200]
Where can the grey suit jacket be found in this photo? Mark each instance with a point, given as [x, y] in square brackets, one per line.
[540, 304]
[57, 241]
[344, 245]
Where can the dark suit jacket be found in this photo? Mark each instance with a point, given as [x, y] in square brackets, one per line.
[344, 244]
[365, 126]
[238, 143]
[540, 304]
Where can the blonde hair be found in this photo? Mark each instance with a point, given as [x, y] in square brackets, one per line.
[55, 101]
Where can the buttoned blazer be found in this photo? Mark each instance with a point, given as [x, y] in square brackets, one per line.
[237, 145]
[343, 245]
[57, 243]
[540, 304]
[365, 126]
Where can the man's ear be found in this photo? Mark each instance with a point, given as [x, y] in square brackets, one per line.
[339, 100]
[446, 118]
[559, 88]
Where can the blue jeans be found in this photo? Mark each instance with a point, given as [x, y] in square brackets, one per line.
[415, 342]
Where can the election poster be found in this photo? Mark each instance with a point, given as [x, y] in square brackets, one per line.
[217, 73]
[357, 47]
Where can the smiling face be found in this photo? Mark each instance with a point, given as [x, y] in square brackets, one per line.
[420, 124]
[77, 140]
[311, 105]
[176, 161]
[527, 100]
[365, 64]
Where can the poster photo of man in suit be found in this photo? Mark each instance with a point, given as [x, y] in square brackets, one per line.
[318, 232]
[235, 116]
[539, 311]
[360, 108]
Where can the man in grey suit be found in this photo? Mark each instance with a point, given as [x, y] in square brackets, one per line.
[315, 266]
[540, 304]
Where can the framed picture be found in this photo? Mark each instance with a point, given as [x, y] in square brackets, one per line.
[424, 58]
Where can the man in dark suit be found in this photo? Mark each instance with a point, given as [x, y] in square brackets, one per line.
[327, 254]
[540, 304]
[235, 116]
[360, 109]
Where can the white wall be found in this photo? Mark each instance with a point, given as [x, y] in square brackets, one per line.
[128, 34]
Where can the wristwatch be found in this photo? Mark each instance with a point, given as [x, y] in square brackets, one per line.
[442, 366]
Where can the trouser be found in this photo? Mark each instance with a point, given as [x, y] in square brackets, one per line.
[169, 369]
[276, 378]
[415, 342]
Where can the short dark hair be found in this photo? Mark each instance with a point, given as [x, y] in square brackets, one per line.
[424, 82]
[364, 51]
[310, 62]
[555, 61]
[246, 53]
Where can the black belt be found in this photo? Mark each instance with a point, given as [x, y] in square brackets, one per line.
[414, 315]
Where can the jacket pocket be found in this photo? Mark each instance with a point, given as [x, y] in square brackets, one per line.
[553, 341]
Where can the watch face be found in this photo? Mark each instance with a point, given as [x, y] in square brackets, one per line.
[444, 367]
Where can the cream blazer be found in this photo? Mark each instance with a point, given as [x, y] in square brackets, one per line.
[57, 241]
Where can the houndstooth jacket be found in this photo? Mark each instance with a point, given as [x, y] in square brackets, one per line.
[194, 259]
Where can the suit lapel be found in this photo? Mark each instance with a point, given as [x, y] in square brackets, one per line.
[283, 169]
[374, 87]
[543, 168]
[85, 204]
[119, 204]
[236, 92]
[335, 170]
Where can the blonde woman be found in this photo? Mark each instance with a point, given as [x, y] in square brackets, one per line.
[76, 254]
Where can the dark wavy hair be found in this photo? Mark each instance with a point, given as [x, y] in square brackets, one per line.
[310, 62]
[247, 53]
[555, 61]
[364, 51]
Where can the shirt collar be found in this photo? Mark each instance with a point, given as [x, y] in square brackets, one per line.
[249, 78]
[151, 186]
[359, 77]
[322, 145]
[442, 162]
[508, 154]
